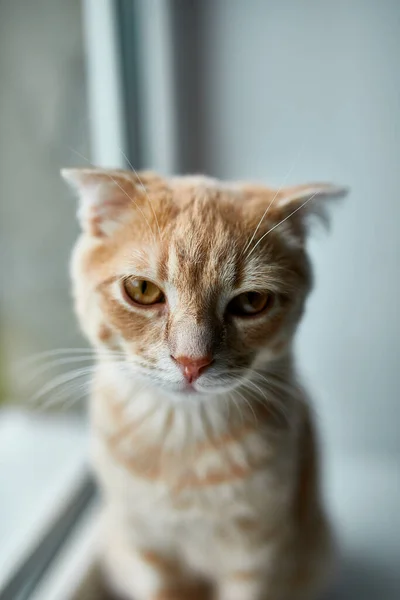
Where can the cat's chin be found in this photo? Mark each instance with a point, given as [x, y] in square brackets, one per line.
[186, 390]
[202, 391]
[182, 390]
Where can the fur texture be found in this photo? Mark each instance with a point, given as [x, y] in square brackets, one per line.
[215, 482]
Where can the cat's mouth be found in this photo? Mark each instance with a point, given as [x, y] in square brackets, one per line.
[190, 388]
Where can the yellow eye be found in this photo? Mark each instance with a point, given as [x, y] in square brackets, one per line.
[143, 292]
[250, 303]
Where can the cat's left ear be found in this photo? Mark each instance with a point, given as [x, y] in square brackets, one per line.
[303, 203]
[292, 208]
[312, 196]
[105, 197]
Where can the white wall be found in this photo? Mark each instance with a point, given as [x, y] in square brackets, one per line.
[318, 83]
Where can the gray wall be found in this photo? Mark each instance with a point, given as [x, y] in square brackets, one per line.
[311, 90]
[43, 120]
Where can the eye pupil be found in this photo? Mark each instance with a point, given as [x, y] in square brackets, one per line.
[142, 292]
[254, 298]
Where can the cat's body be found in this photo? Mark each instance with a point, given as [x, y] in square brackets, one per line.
[237, 505]
[203, 441]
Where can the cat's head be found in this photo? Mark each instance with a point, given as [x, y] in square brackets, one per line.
[197, 284]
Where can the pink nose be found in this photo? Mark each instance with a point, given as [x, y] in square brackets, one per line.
[193, 367]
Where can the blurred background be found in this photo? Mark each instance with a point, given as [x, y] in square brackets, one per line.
[279, 91]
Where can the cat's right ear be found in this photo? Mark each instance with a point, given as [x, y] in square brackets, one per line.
[104, 198]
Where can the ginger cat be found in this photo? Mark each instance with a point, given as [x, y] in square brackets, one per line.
[191, 290]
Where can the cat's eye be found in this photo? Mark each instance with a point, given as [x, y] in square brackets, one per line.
[142, 291]
[250, 303]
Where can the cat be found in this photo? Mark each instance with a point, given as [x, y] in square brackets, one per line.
[191, 291]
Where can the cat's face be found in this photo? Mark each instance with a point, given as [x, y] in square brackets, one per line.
[196, 283]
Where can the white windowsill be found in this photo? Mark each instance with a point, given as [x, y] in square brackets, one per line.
[43, 459]
[73, 562]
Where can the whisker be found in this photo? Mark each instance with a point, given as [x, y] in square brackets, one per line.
[71, 379]
[272, 380]
[60, 351]
[271, 403]
[275, 196]
[135, 203]
[121, 188]
[270, 400]
[282, 221]
[60, 380]
[144, 189]
[62, 402]
[59, 362]
[238, 407]
[243, 397]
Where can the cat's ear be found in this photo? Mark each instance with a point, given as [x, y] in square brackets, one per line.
[104, 198]
[313, 197]
[292, 208]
